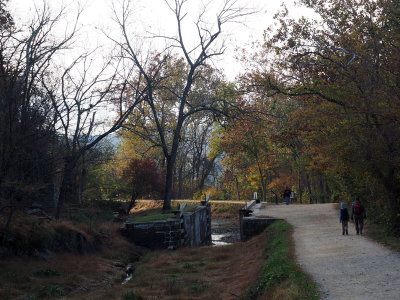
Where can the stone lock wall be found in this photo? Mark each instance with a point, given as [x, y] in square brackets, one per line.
[191, 229]
[251, 225]
[197, 227]
[154, 235]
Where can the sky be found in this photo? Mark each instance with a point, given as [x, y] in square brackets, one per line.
[154, 16]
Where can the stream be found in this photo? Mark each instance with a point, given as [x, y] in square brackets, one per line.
[224, 232]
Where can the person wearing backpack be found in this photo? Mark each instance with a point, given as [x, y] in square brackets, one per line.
[286, 195]
[344, 218]
[358, 214]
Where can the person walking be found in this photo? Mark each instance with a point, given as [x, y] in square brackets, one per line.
[286, 195]
[344, 218]
[358, 214]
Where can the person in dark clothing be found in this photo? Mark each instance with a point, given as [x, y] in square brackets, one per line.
[344, 218]
[358, 214]
[286, 195]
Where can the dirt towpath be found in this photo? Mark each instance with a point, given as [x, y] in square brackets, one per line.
[346, 267]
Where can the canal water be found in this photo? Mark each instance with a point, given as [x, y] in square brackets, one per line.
[224, 232]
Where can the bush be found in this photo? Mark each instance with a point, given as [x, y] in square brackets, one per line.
[215, 194]
[132, 296]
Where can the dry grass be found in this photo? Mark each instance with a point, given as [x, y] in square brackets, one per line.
[67, 274]
[200, 273]
[226, 210]
[146, 205]
[22, 278]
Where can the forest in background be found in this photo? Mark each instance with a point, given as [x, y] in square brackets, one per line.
[316, 109]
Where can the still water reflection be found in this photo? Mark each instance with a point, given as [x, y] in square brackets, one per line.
[224, 232]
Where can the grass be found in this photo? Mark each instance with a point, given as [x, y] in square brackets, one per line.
[281, 277]
[148, 215]
[132, 296]
[152, 215]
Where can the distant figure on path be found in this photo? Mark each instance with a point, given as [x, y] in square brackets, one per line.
[275, 196]
[286, 195]
[344, 218]
[358, 214]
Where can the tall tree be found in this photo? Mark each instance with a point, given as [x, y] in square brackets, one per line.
[194, 58]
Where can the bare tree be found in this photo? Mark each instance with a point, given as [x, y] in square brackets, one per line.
[26, 125]
[78, 97]
[208, 44]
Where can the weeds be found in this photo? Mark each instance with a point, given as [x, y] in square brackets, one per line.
[52, 291]
[174, 286]
[198, 287]
[48, 272]
[132, 296]
[381, 234]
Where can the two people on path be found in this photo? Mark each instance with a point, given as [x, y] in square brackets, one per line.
[357, 213]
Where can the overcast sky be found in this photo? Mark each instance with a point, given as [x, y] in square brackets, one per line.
[154, 16]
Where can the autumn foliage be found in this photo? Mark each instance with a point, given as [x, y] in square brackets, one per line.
[143, 178]
[342, 70]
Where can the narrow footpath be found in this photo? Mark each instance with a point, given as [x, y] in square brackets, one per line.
[346, 267]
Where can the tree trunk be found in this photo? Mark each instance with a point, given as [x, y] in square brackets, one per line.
[322, 188]
[134, 196]
[66, 184]
[264, 188]
[7, 226]
[171, 159]
[309, 187]
[299, 182]
[180, 180]
[168, 185]
[237, 188]
[208, 167]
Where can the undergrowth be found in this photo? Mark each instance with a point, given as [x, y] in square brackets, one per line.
[281, 277]
[382, 235]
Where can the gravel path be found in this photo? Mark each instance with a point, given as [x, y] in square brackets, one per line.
[346, 267]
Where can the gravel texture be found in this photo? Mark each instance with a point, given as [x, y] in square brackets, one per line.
[346, 267]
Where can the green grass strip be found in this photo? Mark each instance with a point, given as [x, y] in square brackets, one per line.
[280, 271]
